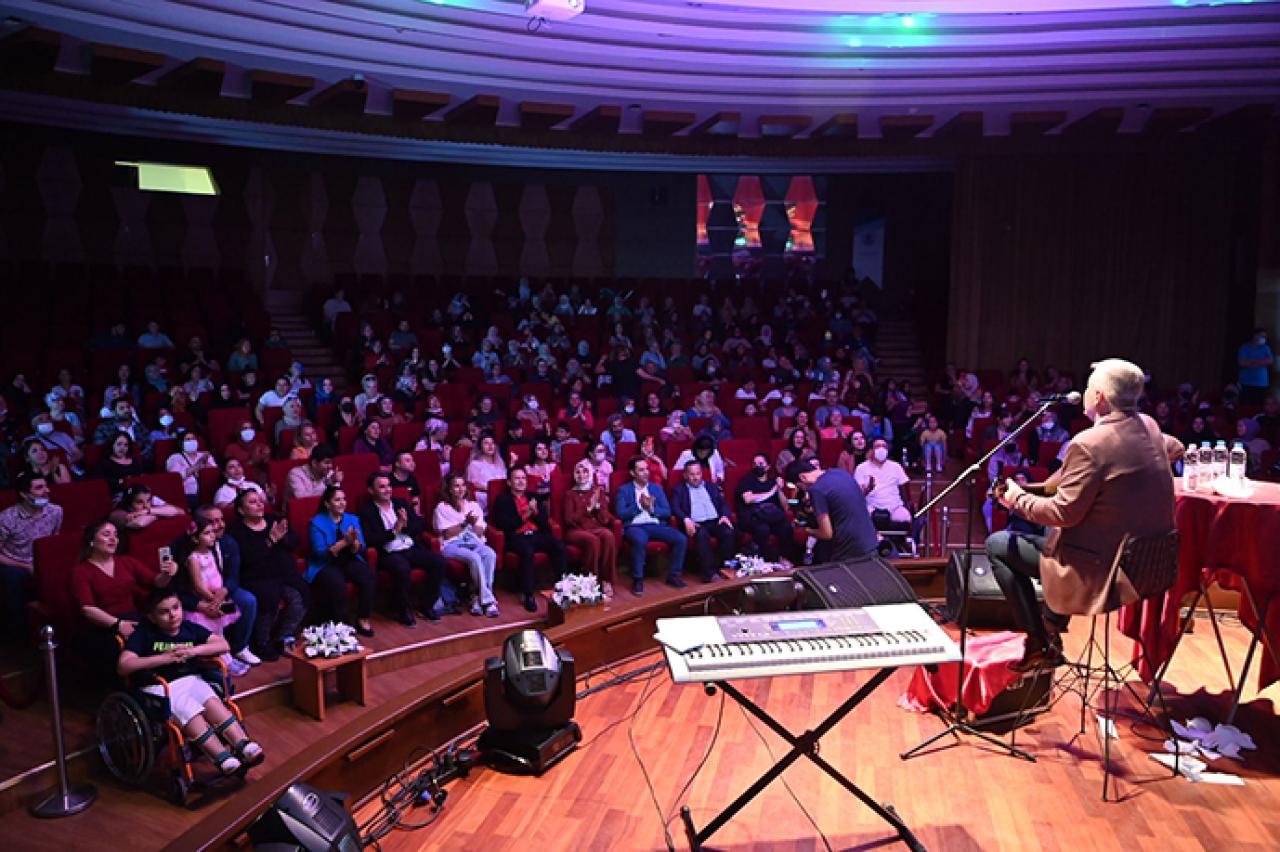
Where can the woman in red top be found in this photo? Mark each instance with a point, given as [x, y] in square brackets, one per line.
[106, 586]
[589, 526]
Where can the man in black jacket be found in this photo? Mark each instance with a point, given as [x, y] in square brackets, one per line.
[700, 510]
[393, 528]
[525, 521]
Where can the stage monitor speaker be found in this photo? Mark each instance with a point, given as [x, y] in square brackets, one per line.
[307, 819]
[858, 582]
[988, 607]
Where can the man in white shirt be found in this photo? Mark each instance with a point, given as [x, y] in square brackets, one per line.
[700, 508]
[882, 480]
[274, 398]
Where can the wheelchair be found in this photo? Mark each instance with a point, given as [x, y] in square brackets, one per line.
[898, 538]
[135, 728]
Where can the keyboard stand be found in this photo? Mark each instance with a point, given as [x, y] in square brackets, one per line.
[805, 745]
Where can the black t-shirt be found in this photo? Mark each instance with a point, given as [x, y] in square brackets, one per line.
[837, 494]
[752, 484]
[260, 562]
[625, 381]
[148, 641]
[410, 482]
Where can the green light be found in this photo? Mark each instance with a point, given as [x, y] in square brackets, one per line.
[165, 177]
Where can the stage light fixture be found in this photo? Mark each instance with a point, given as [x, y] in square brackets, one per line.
[555, 10]
[306, 819]
[167, 177]
[529, 700]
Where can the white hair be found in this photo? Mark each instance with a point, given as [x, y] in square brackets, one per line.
[1120, 381]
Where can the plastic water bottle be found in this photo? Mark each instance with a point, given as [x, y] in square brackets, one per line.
[1220, 460]
[1191, 469]
[1238, 461]
[1205, 482]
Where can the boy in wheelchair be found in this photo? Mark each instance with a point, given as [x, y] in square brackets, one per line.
[171, 648]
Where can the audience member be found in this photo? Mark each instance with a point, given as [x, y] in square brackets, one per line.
[311, 479]
[705, 453]
[187, 463]
[372, 440]
[251, 451]
[268, 577]
[168, 645]
[883, 481]
[32, 517]
[337, 558]
[798, 448]
[700, 508]
[394, 529]
[120, 464]
[138, 508]
[105, 586]
[762, 510]
[643, 509]
[232, 483]
[461, 526]
[933, 445]
[215, 611]
[589, 525]
[41, 462]
[615, 434]
[124, 422]
[1256, 361]
[525, 520]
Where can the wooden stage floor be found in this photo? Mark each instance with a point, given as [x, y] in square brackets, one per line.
[955, 798]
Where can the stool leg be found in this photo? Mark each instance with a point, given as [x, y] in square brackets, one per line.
[1088, 669]
[1107, 704]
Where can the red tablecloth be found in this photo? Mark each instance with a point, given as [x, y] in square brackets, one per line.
[986, 675]
[1223, 539]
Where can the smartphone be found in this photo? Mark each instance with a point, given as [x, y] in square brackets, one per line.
[228, 607]
[166, 555]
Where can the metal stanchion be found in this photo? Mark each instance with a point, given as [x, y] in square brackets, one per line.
[66, 800]
[946, 531]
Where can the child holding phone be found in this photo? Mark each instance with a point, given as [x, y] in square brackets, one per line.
[216, 609]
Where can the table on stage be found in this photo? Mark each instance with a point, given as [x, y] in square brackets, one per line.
[1235, 542]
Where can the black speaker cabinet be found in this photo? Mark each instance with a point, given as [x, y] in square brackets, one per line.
[987, 605]
[860, 582]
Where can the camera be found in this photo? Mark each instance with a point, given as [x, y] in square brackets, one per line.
[228, 607]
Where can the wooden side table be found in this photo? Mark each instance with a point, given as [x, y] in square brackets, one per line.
[350, 670]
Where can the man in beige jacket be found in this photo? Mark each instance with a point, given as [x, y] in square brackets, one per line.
[1115, 482]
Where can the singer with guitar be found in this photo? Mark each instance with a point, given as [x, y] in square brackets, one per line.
[1114, 482]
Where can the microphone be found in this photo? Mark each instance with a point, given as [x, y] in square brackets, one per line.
[1070, 397]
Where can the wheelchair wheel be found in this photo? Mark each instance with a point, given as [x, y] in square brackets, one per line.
[126, 740]
[180, 790]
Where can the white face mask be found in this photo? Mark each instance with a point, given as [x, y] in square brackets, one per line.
[246, 435]
[44, 428]
[533, 405]
[787, 400]
[166, 420]
[880, 453]
[190, 446]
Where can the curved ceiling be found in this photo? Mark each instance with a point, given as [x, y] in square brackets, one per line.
[739, 67]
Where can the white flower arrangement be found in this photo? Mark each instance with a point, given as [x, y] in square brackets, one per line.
[331, 639]
[577, 590]
[754, 566]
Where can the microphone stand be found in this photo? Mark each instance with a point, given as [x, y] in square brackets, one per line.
[957, 714]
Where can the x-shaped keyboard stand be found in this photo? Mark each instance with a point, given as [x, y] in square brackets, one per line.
[804, 745]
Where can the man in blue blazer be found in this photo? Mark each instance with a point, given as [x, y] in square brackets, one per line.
[700, 509]
[643, 509]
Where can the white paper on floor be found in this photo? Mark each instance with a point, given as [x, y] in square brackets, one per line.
[1107, 728]
[1188, 767]
[1225, 778]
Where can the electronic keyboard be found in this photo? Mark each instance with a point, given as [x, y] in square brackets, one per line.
[710, 648]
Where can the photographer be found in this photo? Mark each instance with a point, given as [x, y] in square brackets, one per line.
[840, 520]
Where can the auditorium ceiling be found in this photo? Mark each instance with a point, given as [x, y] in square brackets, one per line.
[734, 75]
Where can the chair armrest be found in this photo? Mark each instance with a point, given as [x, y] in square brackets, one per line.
[497, 539]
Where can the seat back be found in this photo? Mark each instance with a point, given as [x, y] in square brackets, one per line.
[1150, 562]
[300, 512]
[54, 557]
[82, 502]
[166, 486]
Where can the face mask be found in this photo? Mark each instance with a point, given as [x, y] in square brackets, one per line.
[44, 428]
[1049, 424]
[246, 435]
[880, 454]
[761, 469]
[787, 400]
[629, 408]
[39, 502]
[599, 457]
[533, 405]
[711, 370]
[166, 420]
[190, 446]
[348, 407]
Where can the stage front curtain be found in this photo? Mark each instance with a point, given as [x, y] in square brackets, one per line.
[1069, 258]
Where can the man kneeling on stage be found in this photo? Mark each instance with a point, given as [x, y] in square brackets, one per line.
[1115, 482]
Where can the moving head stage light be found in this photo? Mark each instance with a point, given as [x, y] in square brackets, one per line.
[529, 699]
